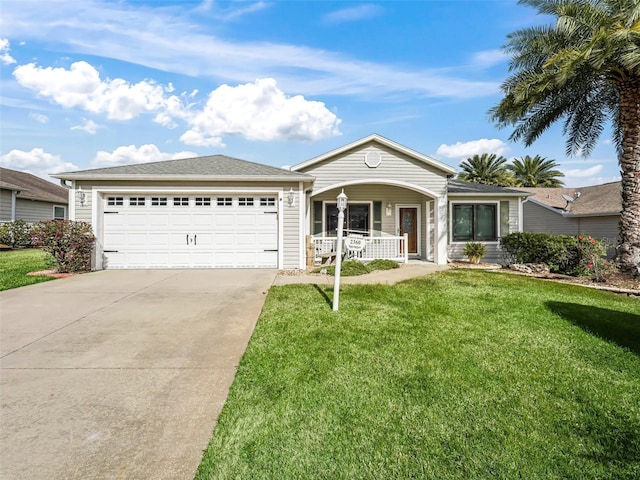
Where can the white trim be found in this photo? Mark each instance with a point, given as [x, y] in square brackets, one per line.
[281, 209]
[521, 214]
[72, 201]
[14, 195]
[419, 232]
[378, 181]
[428, 227]
[96, 177]
[301, 236]
[383, 141]
[474, 202]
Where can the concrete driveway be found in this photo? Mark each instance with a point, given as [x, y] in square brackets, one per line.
[120, 374]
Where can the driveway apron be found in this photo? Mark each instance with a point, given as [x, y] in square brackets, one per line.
[120, 374]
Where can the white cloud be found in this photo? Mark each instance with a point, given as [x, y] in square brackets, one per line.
[5, 57]
[88, 126]
[489, 58]
[130, 154]
[259, 111]
[353, 14]
[582, 177]
[175, 42]
[39, 117]
[81, 87]
[474, 147]
[37, 162]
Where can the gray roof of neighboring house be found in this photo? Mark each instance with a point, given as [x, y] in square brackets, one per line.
[32, 188]
[458, 187]
[605, 199]
[199, 168]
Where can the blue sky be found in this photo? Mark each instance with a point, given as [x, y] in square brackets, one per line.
[96, 83]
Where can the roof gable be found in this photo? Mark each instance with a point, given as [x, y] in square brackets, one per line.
[210, 167]
[382, 141]
[31, 187]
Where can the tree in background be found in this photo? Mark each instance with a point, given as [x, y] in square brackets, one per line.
[585, 70]
[535, 172]
[486, 168]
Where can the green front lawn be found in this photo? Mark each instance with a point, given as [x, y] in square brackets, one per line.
[15, 264]
[462, 374]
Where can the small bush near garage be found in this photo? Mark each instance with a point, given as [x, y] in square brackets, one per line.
[352, 268]
[16, 234]
[382, 264]
[70, 243]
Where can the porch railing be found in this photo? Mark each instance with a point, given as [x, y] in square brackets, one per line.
[385, 247]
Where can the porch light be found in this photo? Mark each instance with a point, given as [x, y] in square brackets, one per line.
[82, 197]
[342, 205]
[389, 209]
[291, 197]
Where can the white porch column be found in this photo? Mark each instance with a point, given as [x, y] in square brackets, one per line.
[442, 235]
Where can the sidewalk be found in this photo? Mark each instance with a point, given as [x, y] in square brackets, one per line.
[388, 277]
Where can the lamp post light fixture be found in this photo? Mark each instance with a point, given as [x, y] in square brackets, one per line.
[342, 205]
[291, 197]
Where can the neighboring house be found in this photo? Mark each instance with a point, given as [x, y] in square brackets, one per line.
[593, 210]
[26, 197]
[218, 211]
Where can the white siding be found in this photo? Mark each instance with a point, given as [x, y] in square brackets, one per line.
[394, 166]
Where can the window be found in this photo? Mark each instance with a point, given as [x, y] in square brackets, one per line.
[357, 218]
[203, 201]
[115, 201]
[158, 201]
[59, 212]
[267, 202]
[245, 201]
[180, 201]
[224, 201]
[474, 222]
[136, 201]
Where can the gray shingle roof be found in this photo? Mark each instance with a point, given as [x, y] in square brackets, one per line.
[213, 166]
[460, 187]
[32, 187]
[593, 200]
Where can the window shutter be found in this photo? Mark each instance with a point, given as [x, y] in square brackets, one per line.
[504, 218]
[317, 217]
[377, 216]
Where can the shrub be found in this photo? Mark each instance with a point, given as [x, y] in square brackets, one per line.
[592, 255]
[381, 264]
[69, 242]
[16, 234]
[474, 251]
[560, 252]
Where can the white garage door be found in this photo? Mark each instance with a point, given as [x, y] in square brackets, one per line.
[190, 231]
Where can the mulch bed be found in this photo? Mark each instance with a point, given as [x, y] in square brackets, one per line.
[49, 273]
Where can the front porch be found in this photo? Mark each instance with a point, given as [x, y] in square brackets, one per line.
[394, 221]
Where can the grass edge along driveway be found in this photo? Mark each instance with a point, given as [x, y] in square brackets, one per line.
[16, 264]
[462, 374]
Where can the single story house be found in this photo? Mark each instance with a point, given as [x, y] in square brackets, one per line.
[24, 196]
[218, 211]
[593, 210]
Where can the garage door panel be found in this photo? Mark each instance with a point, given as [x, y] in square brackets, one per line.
[190, 236]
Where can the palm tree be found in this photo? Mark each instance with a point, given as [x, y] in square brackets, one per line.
[535, 172]
[585, 70]
[486, 168]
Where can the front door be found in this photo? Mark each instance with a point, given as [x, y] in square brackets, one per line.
[409, 226]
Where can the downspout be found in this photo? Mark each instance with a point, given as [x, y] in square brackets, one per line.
[14, 194]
